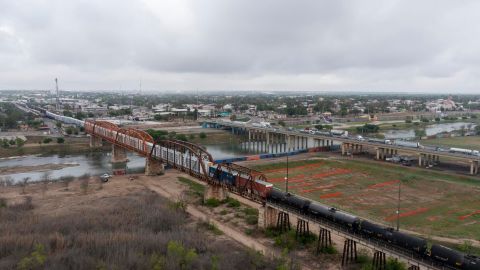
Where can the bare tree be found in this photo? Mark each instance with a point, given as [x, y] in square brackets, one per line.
[45, 180]
[23, 184]
[67, 180]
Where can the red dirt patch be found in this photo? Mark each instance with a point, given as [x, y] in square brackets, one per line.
[384, 184]
[407, 214]
[294, 168]
[317, 188]
[469, 215]
[331, 173]
[331, 195]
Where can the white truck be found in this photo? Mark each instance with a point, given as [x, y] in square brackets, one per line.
[407, 144]
[337, 132]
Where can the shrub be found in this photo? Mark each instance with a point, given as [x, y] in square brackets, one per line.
[47, 140]
[212, 202]
[60, 140]
[35, 260]
[251, 220]
[232, 203]
[408, 121]
[191, 136]
[203, 135]
[437, 119]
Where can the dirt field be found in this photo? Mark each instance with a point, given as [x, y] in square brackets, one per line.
[225, 222]
[432, 203]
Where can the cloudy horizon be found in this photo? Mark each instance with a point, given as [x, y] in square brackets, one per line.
[399, 46]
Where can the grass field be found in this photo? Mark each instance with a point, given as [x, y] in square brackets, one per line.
[432, 203]
[469, 142]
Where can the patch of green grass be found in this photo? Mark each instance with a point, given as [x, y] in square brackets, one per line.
[328, 250]
[232, 203]
[212, 202]
[194, 187]
[250, 211]
[251, 220]
[210, 227]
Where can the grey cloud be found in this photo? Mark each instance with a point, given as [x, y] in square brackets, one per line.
[190, 44]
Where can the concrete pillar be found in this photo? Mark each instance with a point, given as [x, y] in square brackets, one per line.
[119, 154]
[215, 192]
[473, 167]
[154, 167]
[378, 153]
[306, 142]
[95, 141]
[267, 217]
[420, 162]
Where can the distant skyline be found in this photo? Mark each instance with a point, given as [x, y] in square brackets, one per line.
[430, 46]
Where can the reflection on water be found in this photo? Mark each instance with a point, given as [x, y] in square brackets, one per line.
[430, 130]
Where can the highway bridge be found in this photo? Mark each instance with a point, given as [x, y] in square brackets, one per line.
[295, 140]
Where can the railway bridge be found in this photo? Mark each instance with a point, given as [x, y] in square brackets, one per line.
[193, 159]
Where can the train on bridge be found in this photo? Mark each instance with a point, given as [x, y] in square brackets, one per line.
[255, 186]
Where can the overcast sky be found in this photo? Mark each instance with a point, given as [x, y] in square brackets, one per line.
[420, 46]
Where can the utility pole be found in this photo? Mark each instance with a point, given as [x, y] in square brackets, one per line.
[57, 106]
[286, 177]
[398, 204]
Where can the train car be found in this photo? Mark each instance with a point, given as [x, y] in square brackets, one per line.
[320, 211]
[471, 263]
[297, 202]
[370, 229]
[345, 219]
[262, 188]
[447, 256]
[413, 243]
[277, 196]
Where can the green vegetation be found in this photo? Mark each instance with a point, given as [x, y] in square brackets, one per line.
[368, 128]
[194, 187]
[203, 135]
[120, 112]
[60, 140]
[469, 142]
[35, 260]
[47, 140]
[210, 227]
[212, 202]
[232, 202]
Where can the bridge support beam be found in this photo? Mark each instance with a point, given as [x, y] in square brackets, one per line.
[414, 267]
[349, 252]
[283, 222]
[215, 192]
[95, 141]
[303, 228]
[154, 167]
[324, 240]
[267, 217]
[473, 167]
[379, 261]
[119, 154]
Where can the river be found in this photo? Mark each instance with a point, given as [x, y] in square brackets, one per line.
[97, 163]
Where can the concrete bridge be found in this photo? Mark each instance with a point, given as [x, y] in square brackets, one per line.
[294, 140]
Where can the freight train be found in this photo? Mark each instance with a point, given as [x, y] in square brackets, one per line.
[415, 245]
[264, 191]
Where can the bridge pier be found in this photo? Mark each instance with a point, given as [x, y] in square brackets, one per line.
[414, 267]
[267, 217]
[283, 221]
[379, 262]
[119, 154]
[154, 167]
[349, 252]
[303, 228]
[473, 167]
[95, 141]
[215, 192]
[324, 240]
